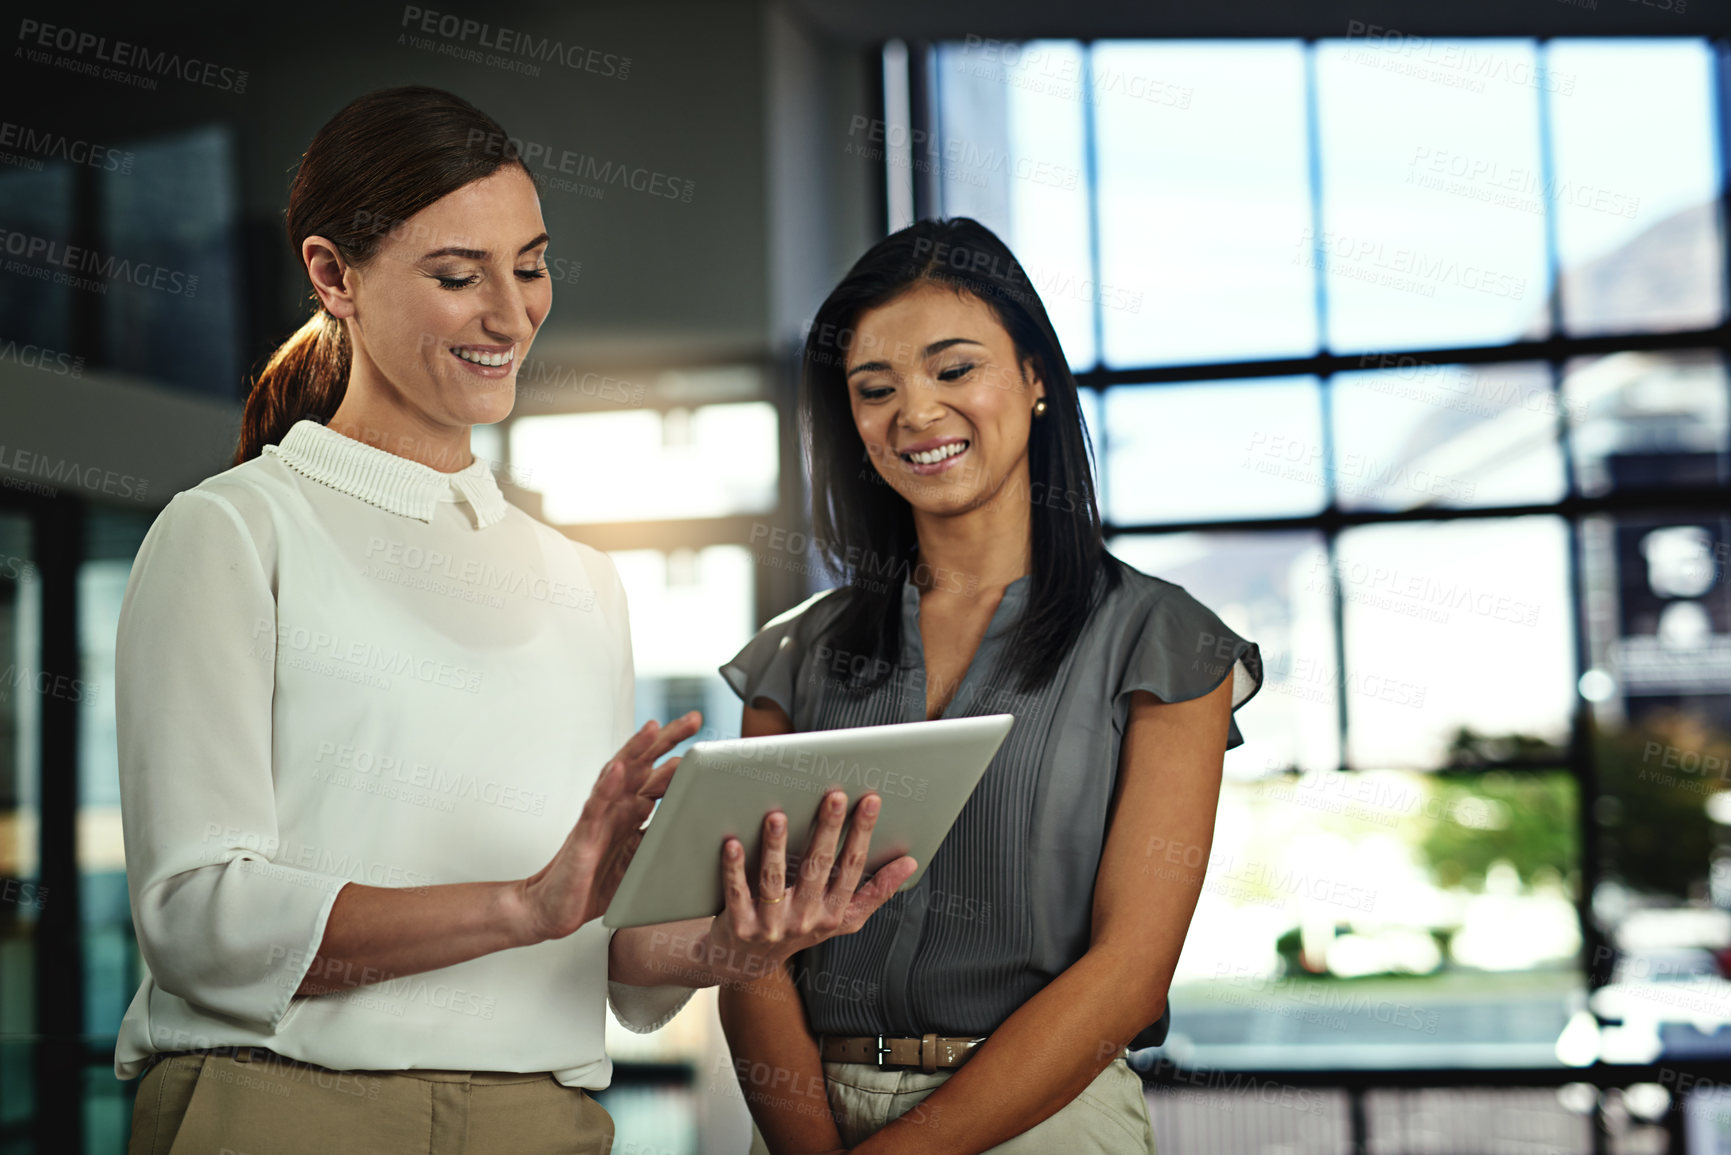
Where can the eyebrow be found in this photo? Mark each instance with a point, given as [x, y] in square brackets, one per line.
[479, 254]
[934, 347]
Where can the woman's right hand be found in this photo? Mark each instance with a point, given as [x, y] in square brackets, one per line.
[580, 881]
[758, 931]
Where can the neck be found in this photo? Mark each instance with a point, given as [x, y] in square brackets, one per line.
[989, 546]
[376, 414]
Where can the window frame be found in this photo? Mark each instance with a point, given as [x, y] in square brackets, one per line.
[922, 78]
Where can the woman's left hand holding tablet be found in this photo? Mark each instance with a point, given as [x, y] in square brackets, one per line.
[760, 931]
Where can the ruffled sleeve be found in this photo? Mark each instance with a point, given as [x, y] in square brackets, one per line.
[768, 665]
[1184, 651]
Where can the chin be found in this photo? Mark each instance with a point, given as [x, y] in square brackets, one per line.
[940, 504]
[492, 414]
[485, 408]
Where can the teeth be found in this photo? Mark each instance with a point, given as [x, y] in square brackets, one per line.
[933, 456]
[494, 359]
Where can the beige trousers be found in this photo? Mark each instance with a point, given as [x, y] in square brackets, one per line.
[222, 1105]
[1109, 1117]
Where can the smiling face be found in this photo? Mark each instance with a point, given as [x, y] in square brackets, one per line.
[444, 312]
[941, 399]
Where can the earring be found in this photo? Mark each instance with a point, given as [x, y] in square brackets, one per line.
[1040, 407]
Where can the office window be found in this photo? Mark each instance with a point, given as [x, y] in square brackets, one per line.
[36, 204]
[641, 464]
[169, 226]
[1383, 919]
[1642, 420]
[20, 606]
[146, 284]
[1198, 452]
[691, 610]
[1203, 239]
[111, 961]
[1426, 548]
[108, 948]
[1428, 436]
[1634, 186]
[1457, 625]
[1420, 246]
[1013, 152]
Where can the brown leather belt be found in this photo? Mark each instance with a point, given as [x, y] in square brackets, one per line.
[928, 1052]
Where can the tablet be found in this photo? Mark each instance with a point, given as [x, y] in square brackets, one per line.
[922, 771]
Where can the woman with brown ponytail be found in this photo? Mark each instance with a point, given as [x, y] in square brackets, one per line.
[368, 715]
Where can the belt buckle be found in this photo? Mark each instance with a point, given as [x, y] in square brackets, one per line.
[883, 1052]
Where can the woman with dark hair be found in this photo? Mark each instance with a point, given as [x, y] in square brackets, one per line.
[951, 487]
[367, 713]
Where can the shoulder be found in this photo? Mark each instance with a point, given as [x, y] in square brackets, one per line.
[1175, 647]
[249, 485]
[1166, 614]
[793, 631]
[810, 617]
[562, 551]
[217, 536]
[588, 574]
[242, 501]
[768, 665]
[1140, 595]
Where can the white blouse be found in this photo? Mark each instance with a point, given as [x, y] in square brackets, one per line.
[335, 664]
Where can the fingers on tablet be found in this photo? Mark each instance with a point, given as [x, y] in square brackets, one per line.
[879, 890]
[676, 732]
[821, 854]
[772, 871]
[658, 781]
[737, 890]
[859, 839]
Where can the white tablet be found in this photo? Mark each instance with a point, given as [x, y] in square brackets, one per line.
[922, 771]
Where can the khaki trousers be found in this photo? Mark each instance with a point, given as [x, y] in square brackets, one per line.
[220, 1104]
[1109, 1117]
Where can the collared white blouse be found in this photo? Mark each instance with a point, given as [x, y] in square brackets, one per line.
[335, 664]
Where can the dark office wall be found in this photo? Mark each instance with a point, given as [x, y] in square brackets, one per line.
[677, 89]
[733, 113]
[866, 22]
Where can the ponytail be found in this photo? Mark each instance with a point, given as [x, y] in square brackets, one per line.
[305, 378]
[375, 164]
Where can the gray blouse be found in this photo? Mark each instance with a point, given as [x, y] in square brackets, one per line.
[1006, 903]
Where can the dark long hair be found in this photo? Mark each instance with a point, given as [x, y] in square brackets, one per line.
[865, 530]
[375, 164]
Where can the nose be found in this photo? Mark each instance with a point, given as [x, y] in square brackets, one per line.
[505, 314]
[919, 408]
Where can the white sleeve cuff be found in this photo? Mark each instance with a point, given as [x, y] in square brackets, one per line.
[260, 925]
[641, 1010]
